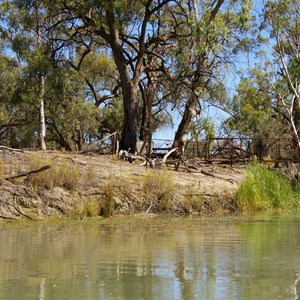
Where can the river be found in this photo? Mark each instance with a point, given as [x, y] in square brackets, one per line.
[237, 257]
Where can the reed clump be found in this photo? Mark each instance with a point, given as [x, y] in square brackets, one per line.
[2, 170]
[193, 203]
[107, 200]
[88, 207]
[64, 174]
[264, 189]
[159, 189]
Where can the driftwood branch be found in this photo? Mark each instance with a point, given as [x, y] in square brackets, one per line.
[44, 168]
[168, 154]
[18, 210]
[7, 218]
[11, 149]
[188, 165]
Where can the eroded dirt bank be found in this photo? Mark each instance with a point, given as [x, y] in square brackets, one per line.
[88, 185]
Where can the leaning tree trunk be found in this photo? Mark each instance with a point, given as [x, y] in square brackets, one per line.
[188, 114]
[199, 80]
[42, 123]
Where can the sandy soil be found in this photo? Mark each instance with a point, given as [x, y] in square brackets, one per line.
[213, 184]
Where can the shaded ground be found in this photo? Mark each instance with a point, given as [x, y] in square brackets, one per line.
[118, 186]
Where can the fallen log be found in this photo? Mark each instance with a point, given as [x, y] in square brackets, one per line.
[44, 168]
[11, 149]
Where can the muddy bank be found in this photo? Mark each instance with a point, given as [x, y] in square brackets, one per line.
[77, 185]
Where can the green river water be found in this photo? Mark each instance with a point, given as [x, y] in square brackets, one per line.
[132, 258]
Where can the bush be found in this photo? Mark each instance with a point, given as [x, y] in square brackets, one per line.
[159, 189]
[264, 189]
[65, 174]
[88, 207]
[103, 205]
[193, 202]
[108, 202]
[2, 170]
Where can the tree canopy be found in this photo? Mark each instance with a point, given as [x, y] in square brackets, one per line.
[75, 71]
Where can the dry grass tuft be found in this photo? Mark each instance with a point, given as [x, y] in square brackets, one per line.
[66, 174]
[159, 189]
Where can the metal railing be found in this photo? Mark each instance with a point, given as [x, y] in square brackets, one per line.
[237, 149]
[227, 150]
[245, 149]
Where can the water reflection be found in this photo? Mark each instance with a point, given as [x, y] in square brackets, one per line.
[152, 259]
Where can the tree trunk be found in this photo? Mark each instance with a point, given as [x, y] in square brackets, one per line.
[295, 121]
[188, 114]
[146, 127]
[42, 123]
[129, 129]
[129, 85]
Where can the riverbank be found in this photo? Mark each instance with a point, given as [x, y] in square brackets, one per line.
[41, 184]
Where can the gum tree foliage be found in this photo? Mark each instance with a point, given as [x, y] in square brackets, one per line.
[128, 29]
[23, 28]
[251, 107]
[267, 101]
[44, 84]
[281, 26]
[13, 120]
[214, 32]
[93, 66]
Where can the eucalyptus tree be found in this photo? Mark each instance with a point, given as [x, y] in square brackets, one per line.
[212, 33]
[280, 33]
[251, 113]
[72, 118]
[24, 25]
[13, 115]
[128, 29]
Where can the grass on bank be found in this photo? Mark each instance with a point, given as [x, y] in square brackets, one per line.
[66, 174]
[264, 189]
[102, 205]
[159, 189]
[2, 169]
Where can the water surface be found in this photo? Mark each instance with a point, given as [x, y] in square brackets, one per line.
[152, 258]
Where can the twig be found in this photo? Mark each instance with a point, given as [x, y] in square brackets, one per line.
[7, 218]
[18, 210]
[44, 168]
[149, 208]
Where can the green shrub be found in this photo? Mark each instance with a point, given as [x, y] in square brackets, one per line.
[159, 189]
[264, 189]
